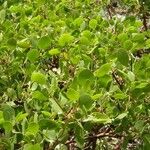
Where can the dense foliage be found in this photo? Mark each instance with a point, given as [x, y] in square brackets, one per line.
[74, 74]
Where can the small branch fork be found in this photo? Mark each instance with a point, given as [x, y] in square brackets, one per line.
[118, 79]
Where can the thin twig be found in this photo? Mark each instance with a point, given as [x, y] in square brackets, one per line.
[117, 80]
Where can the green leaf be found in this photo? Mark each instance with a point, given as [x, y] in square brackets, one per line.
[86, 33]
[20, 116]
[47, 124]
[38, 77]
[65, 39]
[46, 113]
[123, 57]
[122, 37]
[86, 101]
[33, 55]
[131, 76]
[8, 113]
[7, 125]
[103, 70]
[79, 134]
[85, 75]
[93, 23]
[84, 40]
[127, 45]
[50, 135]
[78, 22]
[32, 129]
[54, 51]
[97, 96]
[11, 92]
[147, 43]
[122, 115]
[12, 42]
[2, 15]
[141, 85]
[38, 95]
[1, 118]
[1, 37]
[56, 107]
[138, 37]
[72, 94]
[32, 147]
[139, 125]
[98, 118]
[44, 42]
[146, 144]
[120, 96]
[25, 43]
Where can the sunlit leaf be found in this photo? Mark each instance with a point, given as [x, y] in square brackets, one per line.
[93, 23]
[32, 147]
[72, 94]
[65, 39]
[32, 129]
[54, 51]
[20, 116]
[38, 77]
[103, 70]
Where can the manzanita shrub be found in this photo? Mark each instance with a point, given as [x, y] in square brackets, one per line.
[74, 74]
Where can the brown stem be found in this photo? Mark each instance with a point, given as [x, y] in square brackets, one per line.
[145, 22]
[109, 12]
[120, 84]
[144, 17]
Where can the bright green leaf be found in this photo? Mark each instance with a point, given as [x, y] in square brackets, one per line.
[54, 51]
[93, 23]
[32, 129]
[122, 115]
[103, 70]
[20, 116]
[78, 21]
[141, 85]
[38, 77]
[25, 43]
[32, 147]
[120, 96]
[98, 118]
[65, 39]
[72, 94]
[38, 95]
